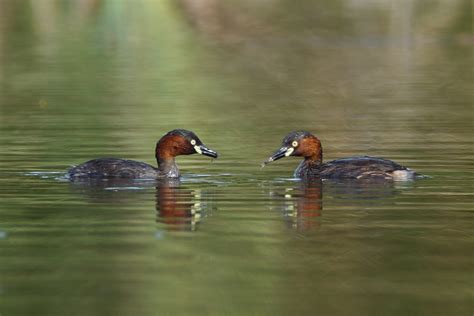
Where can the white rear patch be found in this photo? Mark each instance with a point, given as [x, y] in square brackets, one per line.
[403, 175]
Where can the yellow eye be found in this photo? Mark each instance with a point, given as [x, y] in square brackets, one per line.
[193, 142]
[294, 143]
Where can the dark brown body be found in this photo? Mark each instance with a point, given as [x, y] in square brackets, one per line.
[115, 168]
[364, 167]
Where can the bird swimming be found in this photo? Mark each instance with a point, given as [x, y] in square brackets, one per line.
[174, 143]
[306, 145]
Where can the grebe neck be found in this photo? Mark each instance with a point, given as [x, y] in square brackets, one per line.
[168, 167]
[310, 164]
[317, 157]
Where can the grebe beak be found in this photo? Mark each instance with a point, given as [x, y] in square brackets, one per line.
[203, 150]
[280, 153]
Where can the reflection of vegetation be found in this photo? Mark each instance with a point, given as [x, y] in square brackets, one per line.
[90, 78]
[80, 70]
[89, 67]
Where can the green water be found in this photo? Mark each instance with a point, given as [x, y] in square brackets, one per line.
[87, 79]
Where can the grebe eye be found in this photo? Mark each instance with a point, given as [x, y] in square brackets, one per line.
[193, 142]
[294, 143]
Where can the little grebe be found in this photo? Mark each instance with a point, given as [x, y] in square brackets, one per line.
[308, 146]
[174, 143]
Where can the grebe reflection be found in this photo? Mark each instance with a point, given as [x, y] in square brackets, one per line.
[302, 205]
[179, 207]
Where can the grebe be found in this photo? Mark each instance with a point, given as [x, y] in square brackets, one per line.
[304, 144]
[174, 143]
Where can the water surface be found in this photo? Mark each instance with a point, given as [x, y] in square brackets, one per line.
[108, 78]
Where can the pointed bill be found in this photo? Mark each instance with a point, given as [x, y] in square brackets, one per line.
[280, 153]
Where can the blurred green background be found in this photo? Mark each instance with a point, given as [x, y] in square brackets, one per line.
[91, 78]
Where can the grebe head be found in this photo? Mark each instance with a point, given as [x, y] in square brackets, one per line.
[181, 142]
[301, 144]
